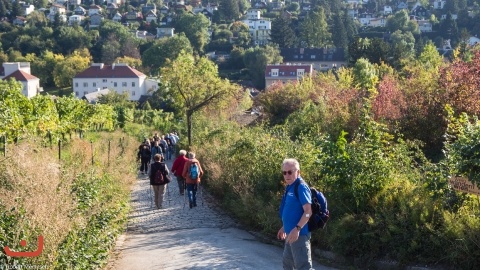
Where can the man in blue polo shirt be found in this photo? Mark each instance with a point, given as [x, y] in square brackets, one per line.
[295, 213]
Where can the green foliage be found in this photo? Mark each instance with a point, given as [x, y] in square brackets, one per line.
[195, 28]
[314, 30]
[14, 108]
[165, 48]
[13, 229]
[463, 147]
[88, 247]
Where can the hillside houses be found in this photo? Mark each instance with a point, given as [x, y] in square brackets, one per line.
[116, 77]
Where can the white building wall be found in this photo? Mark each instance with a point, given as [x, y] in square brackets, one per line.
[31, 88]
[10, 67]
[134, 86]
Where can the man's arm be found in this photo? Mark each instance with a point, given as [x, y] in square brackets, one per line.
[295, 232]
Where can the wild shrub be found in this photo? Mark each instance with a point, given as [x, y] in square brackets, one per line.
[69, 202]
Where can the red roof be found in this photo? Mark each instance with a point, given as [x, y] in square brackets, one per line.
[288, 70]
[110, 71]
[21, 76]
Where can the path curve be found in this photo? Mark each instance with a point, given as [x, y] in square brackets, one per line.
[177, 237]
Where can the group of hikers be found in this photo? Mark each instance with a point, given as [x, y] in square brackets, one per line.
[152, 154]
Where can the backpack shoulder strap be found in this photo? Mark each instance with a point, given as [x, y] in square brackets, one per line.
[295, 190]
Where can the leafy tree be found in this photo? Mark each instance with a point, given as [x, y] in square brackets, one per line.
[15, 108]
[71, 38]
[365, 78]
[36, 19]
[110, 50]
[314, 30]
[350, 26]
[375, 50]
[241, 34]
[403, 47]
[195, 28]
[256, 60]
[229, 10]
[448, 29]
[163, 49]
[16, 10]
[132, 62]
[42, 66]
[192, 84]
[282, 32]
[73, 64]
[339, 33]
[235, 60]
[401, 21]
[293, 7]
[461, 82]
[3, 9]
[44, 116]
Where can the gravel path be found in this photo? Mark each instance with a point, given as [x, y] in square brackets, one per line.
[177, 237]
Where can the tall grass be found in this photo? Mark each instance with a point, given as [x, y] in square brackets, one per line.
[41, 195]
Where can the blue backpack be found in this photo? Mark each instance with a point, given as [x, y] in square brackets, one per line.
[320, 213]
[194, 172]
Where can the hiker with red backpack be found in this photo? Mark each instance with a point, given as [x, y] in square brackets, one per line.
[192, 172]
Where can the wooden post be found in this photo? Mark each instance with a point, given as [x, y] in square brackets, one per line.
[4, 145]
[91, 147]
[108, 152]
[59, 149]
[50, 138]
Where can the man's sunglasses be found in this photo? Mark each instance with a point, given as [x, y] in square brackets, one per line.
[288, 172]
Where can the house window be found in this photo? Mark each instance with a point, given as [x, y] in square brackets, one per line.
[312, 56]
[133, 84]
[275, 72]
[104, 80]
[77, 93]
[94, 84]
[85, 84]
[300, 72]
[124, 84]
[76, 84]
[115, 84]
[133, 93]
[85, 92]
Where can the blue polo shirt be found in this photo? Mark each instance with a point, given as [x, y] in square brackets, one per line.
[292, 209]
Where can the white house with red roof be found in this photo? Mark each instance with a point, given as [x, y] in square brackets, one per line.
[118, 77]
[283, 73]
[20, 71]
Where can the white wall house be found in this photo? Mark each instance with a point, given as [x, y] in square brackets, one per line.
[387, 10]
[75, 19]
[259, 30]
[424, 26]
[117, 77]
[253, 14]
[20, 71]
[27, 9]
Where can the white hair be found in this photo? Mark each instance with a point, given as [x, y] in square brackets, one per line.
[291, 161]
[182, 152]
